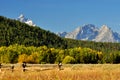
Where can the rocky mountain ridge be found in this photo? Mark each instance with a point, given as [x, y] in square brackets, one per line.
[92, 33]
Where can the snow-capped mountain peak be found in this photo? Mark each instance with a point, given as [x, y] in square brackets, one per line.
[22, 18]
[105, 28]
[105, 35]
[85, 32]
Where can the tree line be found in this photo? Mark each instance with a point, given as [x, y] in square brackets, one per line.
[42, 55]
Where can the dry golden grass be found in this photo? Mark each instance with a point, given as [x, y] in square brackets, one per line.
[70, 72]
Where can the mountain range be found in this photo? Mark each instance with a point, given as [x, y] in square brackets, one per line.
[86, 32]
[92, 33]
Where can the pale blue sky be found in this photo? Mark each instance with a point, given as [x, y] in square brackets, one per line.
[65, 15]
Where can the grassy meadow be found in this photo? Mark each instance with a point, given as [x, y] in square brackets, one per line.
[68, 72]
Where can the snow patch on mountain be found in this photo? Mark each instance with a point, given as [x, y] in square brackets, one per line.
[22, 18]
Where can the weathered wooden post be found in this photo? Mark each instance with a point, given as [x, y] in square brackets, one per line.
[59, 66]
[23, 66]
[12, 68]
[0, 67]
